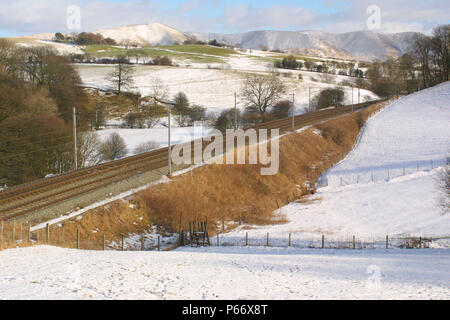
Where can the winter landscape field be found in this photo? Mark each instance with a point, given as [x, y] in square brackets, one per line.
[402, 206]
[114, 180]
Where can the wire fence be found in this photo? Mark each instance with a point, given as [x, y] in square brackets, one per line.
[379, 175]
[296, 240]
[14, 235]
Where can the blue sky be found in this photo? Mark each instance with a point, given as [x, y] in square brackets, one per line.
[19, 17]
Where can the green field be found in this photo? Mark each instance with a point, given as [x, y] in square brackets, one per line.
[194, 53]
[200, 49]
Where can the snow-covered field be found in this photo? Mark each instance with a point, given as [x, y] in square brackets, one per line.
[134, 137]
[225, 273]
[414, 130]
[214, 89]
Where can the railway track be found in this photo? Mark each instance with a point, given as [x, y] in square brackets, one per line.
[29, 198]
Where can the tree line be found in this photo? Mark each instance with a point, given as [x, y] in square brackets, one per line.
[84, 39]
[347, 68]
[38, 90]
[425, 65]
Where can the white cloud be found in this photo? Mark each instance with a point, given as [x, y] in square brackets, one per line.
[32, 16]
[35, 16]
[279, 17]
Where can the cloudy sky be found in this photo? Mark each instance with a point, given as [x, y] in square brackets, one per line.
[19, 17]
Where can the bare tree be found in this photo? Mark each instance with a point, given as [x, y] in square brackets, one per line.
[444, 184]
[88, 150]
[154, 110]
[122, 75]
[262, 92]
[114, 147]
[158, 89]
[146, 147]
[182, 109]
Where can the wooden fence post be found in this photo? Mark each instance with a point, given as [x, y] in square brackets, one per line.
[323, 241]
[354, 242]
[159, 243]
[14, 231]
[182, 238]
[218, 239]
[289, 240]
[246, 238]
[78, 239]
[420, 242]
[47, 237]
[267, 239]
[29, 235]
[203, 224]
[104, 242]
[387, 242]
[191, 235]
[123, 243]
[142, 243]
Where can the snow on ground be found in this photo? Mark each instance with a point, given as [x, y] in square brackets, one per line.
[62, 48]
[414, 130]
[225, 273]
[404, 206]
[214, 89]
[134, 137]
[395, 206]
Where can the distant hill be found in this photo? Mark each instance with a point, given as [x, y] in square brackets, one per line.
[366, 45]
[360, 44]
[145, 34]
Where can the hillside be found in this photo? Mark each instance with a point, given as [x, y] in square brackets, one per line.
[149, 34]
[395, 151]
[367, 45]
[361, 44]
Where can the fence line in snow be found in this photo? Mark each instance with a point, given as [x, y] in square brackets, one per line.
[380, 175]
[328, 242]
[14, 234]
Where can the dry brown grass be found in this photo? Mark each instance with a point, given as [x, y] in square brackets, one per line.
[224, 195]
[13, 235]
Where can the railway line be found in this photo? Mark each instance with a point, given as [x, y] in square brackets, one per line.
[24, 200]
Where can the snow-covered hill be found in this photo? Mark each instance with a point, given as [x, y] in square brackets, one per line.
[361, 44]
[396, 150]
[214, 89]
[410, 134]
[145, 34]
